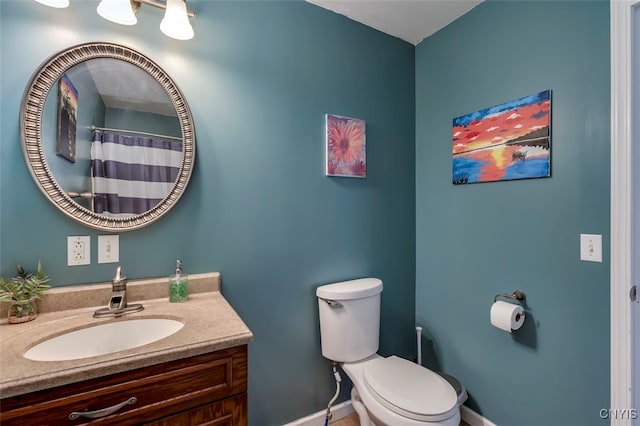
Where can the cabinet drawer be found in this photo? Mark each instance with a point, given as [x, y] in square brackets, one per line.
[160, 390]
[228, 412]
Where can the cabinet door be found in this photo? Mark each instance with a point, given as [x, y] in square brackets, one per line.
[228, 412]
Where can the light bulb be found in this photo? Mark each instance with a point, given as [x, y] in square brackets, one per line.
[175, 23]
[118, 11]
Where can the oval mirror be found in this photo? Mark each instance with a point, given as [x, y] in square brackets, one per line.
[107, 136]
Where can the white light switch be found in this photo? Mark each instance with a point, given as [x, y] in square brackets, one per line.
[591, 247]
[108, 248]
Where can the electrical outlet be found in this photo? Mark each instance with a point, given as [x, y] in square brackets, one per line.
[108, 248]
[78, 251]
[591, 247]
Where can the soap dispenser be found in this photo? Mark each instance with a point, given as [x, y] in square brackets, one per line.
[178, 285]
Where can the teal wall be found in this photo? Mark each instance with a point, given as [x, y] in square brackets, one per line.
[259, 77]
[474, 241]
[129, 119]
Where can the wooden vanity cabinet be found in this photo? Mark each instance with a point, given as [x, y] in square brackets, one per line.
[209, 389]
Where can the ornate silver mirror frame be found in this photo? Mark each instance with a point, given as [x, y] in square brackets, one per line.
[31, 115]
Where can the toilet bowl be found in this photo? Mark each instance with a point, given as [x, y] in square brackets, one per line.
[388, 391]
[397, 392]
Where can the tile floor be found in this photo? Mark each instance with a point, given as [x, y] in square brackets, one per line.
[351, 420]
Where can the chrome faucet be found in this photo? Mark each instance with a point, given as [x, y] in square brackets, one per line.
[118, 305]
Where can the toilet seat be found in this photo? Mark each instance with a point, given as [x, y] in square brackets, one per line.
[409, 390]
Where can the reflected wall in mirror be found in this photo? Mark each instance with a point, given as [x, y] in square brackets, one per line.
[134, 141]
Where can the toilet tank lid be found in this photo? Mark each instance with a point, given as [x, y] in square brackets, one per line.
[353, 289]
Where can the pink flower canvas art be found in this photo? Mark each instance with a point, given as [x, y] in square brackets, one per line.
[346, 147]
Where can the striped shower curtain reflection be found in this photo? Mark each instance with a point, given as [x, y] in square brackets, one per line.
[132, 174]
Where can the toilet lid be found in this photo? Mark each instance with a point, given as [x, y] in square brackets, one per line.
[409, 389]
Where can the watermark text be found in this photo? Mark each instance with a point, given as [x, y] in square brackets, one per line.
[619, 413]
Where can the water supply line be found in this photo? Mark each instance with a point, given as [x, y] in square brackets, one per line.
[336, 374]
[419, 337]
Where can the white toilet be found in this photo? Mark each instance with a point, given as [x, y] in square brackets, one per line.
[386, 391]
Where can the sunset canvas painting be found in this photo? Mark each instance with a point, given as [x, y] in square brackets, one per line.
[505, 142]
[346, 146]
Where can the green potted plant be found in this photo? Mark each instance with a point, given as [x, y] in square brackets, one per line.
[22, 291]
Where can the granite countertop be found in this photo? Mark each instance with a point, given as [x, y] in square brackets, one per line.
[210, 324]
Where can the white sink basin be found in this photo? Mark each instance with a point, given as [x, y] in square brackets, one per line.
[103, 339]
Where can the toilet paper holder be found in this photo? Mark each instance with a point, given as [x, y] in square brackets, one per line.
[516, 295]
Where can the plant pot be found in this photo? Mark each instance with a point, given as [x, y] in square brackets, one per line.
[22, 311]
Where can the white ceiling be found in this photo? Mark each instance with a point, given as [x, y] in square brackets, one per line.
[126, 86]
[409, 20]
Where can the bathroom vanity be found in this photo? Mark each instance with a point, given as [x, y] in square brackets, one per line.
[196, 376]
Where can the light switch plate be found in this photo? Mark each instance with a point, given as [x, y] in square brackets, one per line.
[78, 250]
[108, 248]
[591, 247]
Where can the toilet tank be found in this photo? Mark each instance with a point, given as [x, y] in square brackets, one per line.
[349, 319]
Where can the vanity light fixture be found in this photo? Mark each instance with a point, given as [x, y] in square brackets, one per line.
[175, 23]
[55, 3]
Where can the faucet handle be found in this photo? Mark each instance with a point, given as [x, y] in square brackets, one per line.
[119, 281]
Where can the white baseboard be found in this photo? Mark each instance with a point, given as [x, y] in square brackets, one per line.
[474, 419]
[338, 411]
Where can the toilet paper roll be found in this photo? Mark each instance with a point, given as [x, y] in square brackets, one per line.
[506, 316]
